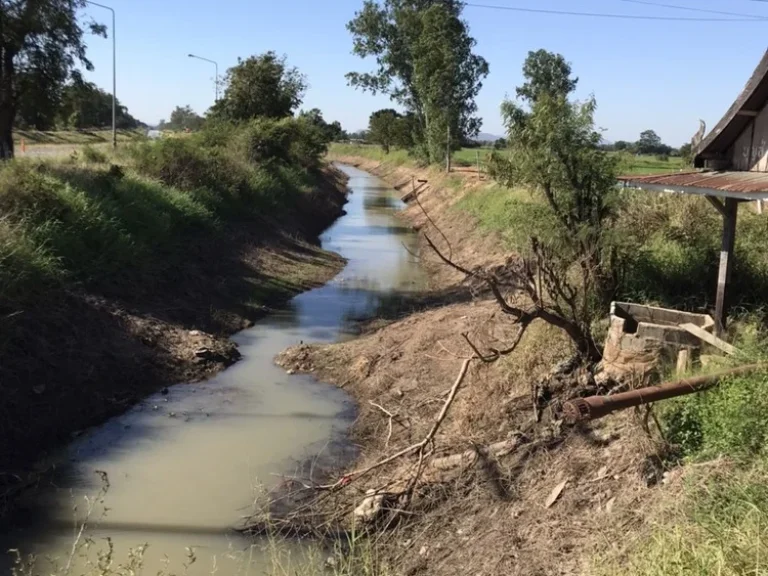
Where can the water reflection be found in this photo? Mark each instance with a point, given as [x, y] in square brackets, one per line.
[186, 466]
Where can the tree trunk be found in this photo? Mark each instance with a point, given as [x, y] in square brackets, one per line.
[6, 135]
[7, 104]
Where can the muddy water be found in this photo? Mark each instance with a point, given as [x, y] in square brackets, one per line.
[184, 467]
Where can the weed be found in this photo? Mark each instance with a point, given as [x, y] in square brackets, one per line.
[93, 155]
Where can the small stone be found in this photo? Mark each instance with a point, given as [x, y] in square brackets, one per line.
[331, 562]
[155, 407]
[171, 414]
[291, 372]
[370, 507]
[194, 332]
[423, 551]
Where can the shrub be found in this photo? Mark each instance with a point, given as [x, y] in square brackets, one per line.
[94, 156]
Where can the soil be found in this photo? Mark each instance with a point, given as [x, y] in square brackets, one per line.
[79, 358]
[546, 507]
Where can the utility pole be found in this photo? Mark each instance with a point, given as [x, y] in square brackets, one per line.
[216, 80]
[114, 72]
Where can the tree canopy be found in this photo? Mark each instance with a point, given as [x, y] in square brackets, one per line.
[425, 62]
[389, 128]
[649, 143]
[184, 118]
[261, 86]
[41, 41]
[546, 73]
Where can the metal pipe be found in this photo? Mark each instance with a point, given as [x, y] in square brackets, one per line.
[216, 64]
[594, 407]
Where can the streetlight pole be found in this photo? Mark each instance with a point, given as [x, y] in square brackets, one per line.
[114, 72]
[216, 80]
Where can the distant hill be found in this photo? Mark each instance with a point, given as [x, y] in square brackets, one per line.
[486, 137]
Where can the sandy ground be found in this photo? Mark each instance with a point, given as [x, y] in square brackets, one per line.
[544, 508]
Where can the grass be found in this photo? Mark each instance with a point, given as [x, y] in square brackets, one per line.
[93, 136]
[644, 165]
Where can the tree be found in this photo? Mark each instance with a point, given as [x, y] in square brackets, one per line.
[261, 85]
[500, 144]
[425, 62]
[621, 145]
[184, 118]
[686, 153]
[85, 105]
[546, 73]
[569, 270]
[383, 128]
[38, 39]
[649, 143]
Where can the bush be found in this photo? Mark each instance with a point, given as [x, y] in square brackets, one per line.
[289, 141]
[94, 156]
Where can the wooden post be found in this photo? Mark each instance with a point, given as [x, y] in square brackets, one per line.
[477, 153]
[731, 209]
[448, 149]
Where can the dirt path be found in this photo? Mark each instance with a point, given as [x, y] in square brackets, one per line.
[543, 509]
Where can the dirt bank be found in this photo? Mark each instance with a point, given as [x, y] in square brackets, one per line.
[78, 357]
[501, 492]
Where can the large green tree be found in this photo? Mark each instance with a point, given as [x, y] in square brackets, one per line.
[383, 128]
[183, 118]
[555, 151]
[85, 105]
[261, 86]
[425, 62]
[649, 142]
[546, 73]
[40, 39]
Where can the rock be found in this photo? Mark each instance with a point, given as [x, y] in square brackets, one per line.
[370, 507]
[422, 551]
[291, 372]
[331, 562]
[195, 332]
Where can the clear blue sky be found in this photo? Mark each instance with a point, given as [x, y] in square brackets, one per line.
[644, 74]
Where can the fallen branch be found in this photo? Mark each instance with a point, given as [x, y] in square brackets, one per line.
[355, 475]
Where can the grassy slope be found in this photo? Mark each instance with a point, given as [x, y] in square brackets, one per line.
[107, 264]
[94, 136]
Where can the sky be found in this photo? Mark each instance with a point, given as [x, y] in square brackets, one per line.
[660, 75]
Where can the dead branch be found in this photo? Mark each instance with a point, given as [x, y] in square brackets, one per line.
[355, 475]
[447, 242]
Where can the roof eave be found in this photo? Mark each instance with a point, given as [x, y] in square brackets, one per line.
[696, 190]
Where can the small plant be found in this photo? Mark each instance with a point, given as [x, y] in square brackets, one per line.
[93, 155]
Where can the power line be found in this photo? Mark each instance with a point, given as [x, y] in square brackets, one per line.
[614, 16]
[689, 9]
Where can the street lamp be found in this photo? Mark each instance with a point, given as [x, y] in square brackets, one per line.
[216, 80]
[114, 72]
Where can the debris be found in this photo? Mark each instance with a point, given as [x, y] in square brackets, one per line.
[709, 338]
[609, 505]
[370, 507]
[555, 494]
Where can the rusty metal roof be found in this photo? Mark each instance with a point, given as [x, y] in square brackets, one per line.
[739, 185]
[751, 100]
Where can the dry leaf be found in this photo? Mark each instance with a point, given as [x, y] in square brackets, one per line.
[555, 494]
[609, 505]
[602, 473]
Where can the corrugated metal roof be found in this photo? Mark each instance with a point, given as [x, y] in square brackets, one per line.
[740, 185]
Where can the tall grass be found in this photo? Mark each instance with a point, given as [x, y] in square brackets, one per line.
[95, 220]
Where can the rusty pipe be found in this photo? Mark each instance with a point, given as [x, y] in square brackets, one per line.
[594, 407]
